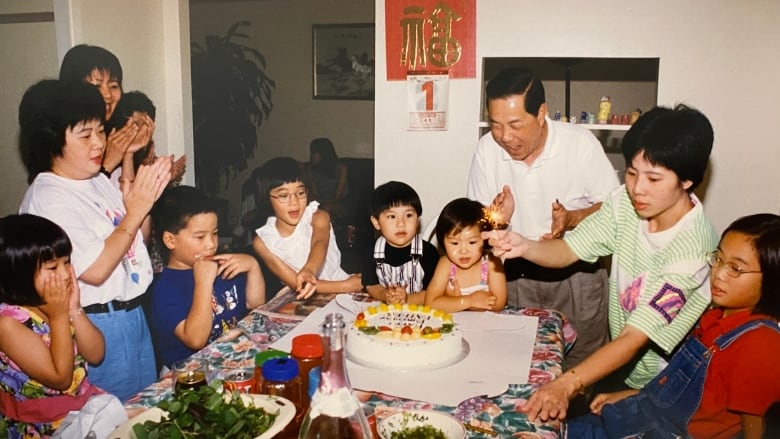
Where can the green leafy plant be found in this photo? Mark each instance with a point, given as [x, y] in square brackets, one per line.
[231, 97]
[205, 413]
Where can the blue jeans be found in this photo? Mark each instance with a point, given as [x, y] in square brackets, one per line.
[665, 406]
[128, 365]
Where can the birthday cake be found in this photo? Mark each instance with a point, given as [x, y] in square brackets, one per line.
[404, 337]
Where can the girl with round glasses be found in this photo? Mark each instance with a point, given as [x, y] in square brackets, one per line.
[297, 242]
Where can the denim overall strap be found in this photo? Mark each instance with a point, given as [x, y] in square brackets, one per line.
[725, 340]
[667, 403]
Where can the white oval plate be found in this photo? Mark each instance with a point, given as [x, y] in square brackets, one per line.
[451, 427]
[269, 403]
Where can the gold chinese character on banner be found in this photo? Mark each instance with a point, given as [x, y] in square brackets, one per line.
[430, 36]
[442, 48]
[413, 47]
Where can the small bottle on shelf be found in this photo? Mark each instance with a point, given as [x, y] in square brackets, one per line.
[605, 106]
[334, 411]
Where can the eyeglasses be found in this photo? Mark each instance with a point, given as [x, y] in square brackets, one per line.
[285, 198]
[714, 260]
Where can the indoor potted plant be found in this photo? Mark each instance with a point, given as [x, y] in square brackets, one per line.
[231, 96]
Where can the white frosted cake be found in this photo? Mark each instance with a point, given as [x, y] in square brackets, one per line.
[404, 337]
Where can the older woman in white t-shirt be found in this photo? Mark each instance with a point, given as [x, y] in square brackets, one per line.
[62, 143]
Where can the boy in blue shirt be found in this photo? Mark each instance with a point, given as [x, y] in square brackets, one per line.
[403, 263]
[199, 295]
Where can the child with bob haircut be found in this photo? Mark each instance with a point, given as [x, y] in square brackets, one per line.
[199, 295]
[724, 378]
[466, 278]
[403, 263]
[47, 338]
[297, 242]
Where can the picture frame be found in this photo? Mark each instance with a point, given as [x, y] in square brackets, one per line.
[343, 64]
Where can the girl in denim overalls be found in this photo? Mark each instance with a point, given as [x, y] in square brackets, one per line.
[724, 377]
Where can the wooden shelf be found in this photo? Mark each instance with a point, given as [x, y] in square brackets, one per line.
[610, 127]
[590, 126]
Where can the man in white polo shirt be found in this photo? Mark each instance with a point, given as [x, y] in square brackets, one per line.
[558, 174]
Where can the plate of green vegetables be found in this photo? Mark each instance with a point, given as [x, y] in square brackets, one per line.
[421, 424]
[207, 413]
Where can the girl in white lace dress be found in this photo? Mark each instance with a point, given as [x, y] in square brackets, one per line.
[297, 242]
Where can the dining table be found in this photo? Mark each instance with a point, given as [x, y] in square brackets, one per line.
[483, 416]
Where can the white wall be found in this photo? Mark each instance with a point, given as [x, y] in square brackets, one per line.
[718, 56]
[32, 57]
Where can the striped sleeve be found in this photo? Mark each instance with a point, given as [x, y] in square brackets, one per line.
[596, 235]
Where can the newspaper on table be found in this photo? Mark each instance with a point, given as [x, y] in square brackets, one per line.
[285, 304]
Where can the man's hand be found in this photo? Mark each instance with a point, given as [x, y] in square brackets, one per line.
[560, 222]
[504, 204]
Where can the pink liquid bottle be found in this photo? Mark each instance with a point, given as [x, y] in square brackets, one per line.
[334, 412]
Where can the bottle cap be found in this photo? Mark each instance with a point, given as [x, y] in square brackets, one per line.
[266, 355]
[280, 369]
[307, 346]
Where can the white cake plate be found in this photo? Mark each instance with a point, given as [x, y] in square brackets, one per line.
[464, 352]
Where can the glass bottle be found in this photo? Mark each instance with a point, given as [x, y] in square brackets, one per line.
[605, 107]
[334, 412]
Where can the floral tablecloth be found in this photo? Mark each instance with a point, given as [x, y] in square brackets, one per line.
[500, 414]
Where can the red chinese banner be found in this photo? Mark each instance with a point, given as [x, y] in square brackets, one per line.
[431, 36]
